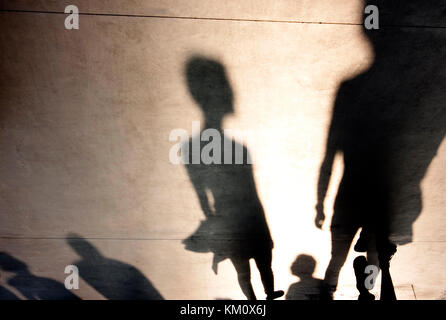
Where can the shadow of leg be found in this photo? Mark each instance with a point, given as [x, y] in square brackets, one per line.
[241, 265]
[387, 289]
[359, 265]
[263, 262]
[341, 242]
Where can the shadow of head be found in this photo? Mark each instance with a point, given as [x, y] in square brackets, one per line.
[209, 86]
[303, 266]
[82, 247]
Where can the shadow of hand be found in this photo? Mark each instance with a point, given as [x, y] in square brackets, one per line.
[320, 216]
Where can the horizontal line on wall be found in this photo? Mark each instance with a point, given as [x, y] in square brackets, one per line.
[88, 238]
[152, 239]
[221, 19]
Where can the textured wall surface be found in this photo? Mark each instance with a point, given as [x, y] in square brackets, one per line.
[85, 118]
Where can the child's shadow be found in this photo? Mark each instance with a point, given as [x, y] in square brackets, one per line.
[308, 288]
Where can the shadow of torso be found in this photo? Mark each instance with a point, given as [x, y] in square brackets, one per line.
[235, 223]
[306, 289]
[389, 123]
[116, 280]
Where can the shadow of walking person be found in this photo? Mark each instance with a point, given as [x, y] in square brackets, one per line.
[388, 123]
[31, 286]
[308, 288]
[235, 226]
[114, 279]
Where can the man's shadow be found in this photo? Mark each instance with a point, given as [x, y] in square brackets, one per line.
[114, 279]
[30, 286]
[308, 288]
[388, 123]
[235, 226]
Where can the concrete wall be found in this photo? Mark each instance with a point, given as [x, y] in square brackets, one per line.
[85, 117]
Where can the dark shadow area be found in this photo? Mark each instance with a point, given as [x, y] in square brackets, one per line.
[235, 226]
[388, 123]
[387, 288]
[359, 265]
[308, 288]
[114, 279]
[30, 286]
[5, 294]
[363, 277]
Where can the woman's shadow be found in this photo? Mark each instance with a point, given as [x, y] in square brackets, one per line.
[235, 226]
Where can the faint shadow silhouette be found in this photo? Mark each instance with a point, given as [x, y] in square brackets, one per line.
[308, 288]
[235, 226]
[114, 279]
[29, 285]
[388, 123]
